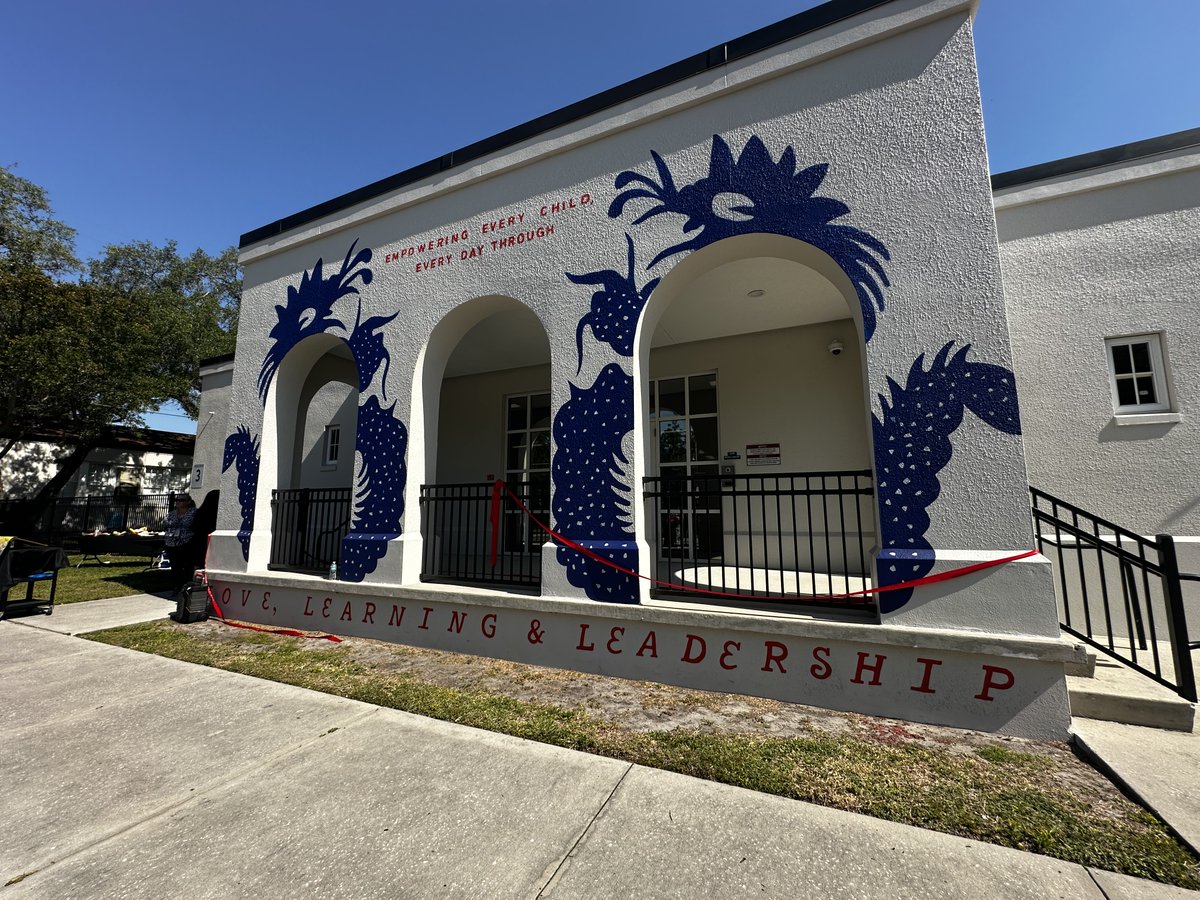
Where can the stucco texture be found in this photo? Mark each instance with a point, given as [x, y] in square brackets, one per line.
[1122, 258]
[888, 101]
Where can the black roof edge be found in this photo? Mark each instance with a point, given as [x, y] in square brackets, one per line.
[1097, 158]
[216, 360]
[768, 36]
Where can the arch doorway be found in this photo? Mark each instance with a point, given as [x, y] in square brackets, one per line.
[488, 413]
[756, 428]
[316, 414]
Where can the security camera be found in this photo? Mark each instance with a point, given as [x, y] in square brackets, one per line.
[836, 348]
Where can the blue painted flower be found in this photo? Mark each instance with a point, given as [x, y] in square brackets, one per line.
[616, 307]
[309, 310]
[755, 194]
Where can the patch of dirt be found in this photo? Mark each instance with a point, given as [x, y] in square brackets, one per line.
[641, 706]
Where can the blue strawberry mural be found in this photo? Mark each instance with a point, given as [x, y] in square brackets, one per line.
[755, 194]
[616, 307]
[912, 445]
[309, 310]
[381, 439]
[242, 449]
[379, 493]
[591, 495]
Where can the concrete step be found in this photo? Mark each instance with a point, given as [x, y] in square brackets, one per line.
[1086, 669]
[1116, 693]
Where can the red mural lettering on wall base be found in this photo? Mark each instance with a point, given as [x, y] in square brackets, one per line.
[860, 667]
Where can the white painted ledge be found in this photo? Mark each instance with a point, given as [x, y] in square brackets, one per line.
[1162, 418]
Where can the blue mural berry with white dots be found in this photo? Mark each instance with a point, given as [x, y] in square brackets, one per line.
[378, 505]
[591, 491]
[912, 445]
[241, 449]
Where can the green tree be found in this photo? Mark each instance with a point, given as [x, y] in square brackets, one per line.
[187, 307]
[30, 236]
[84, 348]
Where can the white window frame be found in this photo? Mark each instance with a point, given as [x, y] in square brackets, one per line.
[1158, 374]
[331, 445]
[526, 532]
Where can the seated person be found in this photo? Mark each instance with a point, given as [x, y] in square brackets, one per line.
[203, 525]
[179, 531]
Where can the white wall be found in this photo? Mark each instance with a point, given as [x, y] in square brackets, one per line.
[216, 387]
[887, 99]
[334, 403]
[783, 387]
[1098, 254]
[471, 422]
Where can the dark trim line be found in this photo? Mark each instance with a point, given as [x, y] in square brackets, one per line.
[756, 41]
[216, 360]
[1097, 158]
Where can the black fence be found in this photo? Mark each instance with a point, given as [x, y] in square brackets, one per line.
[70, 516]
[457, 534]
[790, 535]
[1119, 592]
[307, 527]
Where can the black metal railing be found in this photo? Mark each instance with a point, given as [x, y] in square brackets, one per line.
[67, 517]
[458, 536]
[307, 528]
[1118, 591]
[790, 535]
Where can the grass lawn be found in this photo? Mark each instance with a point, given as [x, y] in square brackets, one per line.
[124, 576]
[1029, 795]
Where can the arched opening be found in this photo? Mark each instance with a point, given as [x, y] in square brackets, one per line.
[312, 408]
[484, 414]
[755, 428]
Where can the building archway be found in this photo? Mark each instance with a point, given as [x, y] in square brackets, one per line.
[310, 418]
[481, 412]
[752, 418]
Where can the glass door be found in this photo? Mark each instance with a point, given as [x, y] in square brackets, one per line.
[683, 413]
[527, 469]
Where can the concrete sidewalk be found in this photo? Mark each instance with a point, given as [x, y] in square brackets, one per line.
[95, 615]
[128, 775]
[1160, 768]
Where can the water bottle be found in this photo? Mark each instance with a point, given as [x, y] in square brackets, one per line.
[333, 570]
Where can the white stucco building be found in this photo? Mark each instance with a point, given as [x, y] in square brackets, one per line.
[1101, 260]
[737, 333]
[144, 461]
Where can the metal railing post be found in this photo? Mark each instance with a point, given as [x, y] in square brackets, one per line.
[1177, 629]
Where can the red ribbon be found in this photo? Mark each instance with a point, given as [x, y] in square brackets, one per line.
[288, 632]
[856, 596]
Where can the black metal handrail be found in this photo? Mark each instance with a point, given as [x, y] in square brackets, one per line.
[1115, 587]
[307, 528]
[455, 525]
[786, 535]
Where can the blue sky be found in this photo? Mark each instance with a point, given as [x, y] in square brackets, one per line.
[199, 122]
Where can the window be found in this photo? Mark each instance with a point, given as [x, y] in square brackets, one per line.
[1137, 374]
[683, 412]
[527, 467]
[333, 445]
